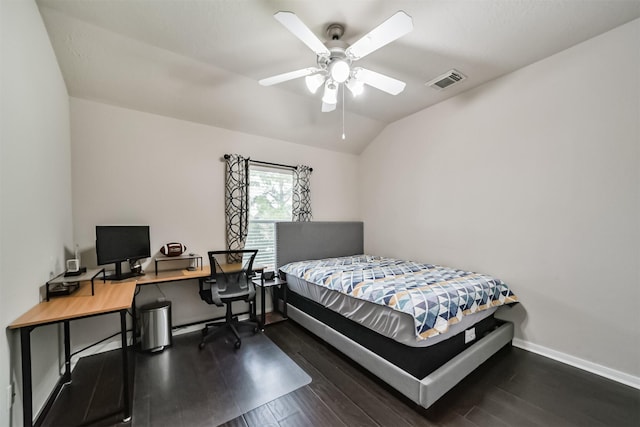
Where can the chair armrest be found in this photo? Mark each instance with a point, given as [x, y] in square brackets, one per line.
[208, 292]
[206, 282]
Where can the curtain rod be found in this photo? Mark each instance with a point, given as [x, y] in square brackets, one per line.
[226, 156]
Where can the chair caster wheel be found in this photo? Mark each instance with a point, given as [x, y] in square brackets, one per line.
[201, 345]
[237, 344]
[256, 329]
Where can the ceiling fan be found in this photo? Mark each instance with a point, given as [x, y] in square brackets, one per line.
[335, 58]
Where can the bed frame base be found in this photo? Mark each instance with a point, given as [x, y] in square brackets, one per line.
[423, 391]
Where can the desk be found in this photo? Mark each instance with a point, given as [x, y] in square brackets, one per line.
[108, 298]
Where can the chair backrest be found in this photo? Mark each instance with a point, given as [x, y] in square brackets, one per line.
[232, 281]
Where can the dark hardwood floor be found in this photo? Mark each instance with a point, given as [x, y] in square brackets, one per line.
[513, 388]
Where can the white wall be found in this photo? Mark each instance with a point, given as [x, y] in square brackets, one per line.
[131, 167]
[35, 188]
[534, 178]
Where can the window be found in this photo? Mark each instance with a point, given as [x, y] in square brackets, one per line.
[270, 200]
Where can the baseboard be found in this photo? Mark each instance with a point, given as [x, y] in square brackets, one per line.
[576, 362]
[115, 343]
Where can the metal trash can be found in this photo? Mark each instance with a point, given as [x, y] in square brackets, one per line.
[155, 326]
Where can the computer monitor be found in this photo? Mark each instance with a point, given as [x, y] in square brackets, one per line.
[116, 244]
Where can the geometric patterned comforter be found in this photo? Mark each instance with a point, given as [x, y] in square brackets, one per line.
[435, 296]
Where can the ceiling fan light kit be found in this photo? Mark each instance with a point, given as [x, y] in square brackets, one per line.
[339, 70]
[330, 93]
[314, 82]
[335, 57]
[355, 86]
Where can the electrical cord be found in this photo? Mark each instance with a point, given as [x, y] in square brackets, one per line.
[160, 290]
[102, 340]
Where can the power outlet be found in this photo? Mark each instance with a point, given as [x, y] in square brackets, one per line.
[469, 335]
[9, 396]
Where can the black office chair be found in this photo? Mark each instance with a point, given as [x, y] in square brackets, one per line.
[224, 287]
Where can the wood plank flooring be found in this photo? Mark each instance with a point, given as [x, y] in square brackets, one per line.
[513, 388]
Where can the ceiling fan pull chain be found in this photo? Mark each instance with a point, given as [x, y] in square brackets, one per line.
[343, 135]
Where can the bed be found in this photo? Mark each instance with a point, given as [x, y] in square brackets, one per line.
[421, 359]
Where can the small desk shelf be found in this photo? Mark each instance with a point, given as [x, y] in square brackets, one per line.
[69, 284]
[189, 257]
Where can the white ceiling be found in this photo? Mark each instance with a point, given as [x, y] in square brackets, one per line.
[201, 60]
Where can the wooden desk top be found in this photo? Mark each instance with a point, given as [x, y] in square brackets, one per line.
[172, 276]
[109, 297]
[175, 275]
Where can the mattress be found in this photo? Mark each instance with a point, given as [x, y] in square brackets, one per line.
[378, 292]
[384, 320]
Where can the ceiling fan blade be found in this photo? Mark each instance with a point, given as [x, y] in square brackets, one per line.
[379, 81]
[327, 108]
[393, 28]
[288, 76]
[292, 23]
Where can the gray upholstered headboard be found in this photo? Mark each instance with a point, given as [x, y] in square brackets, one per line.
[298, 241]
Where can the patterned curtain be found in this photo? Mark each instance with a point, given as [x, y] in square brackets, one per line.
[301, 194]
[236, 202]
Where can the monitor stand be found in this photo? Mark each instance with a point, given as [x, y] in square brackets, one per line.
[119, 275]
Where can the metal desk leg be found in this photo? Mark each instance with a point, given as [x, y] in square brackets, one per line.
[67, 353]
[134, 323]
[27, 403]
[262, 305]
[284, 300]
[125, 366]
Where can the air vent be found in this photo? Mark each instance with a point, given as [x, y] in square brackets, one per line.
[446, 80]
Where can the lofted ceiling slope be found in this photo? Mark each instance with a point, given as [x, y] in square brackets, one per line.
[201, 60]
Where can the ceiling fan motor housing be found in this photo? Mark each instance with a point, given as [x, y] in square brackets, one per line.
[337, 50]
[335, 31]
